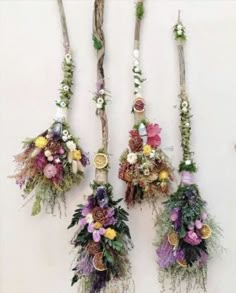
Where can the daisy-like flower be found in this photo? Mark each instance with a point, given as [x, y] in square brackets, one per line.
[179, 27]
[100, 101]
[132, 158]
[146, 172]
[47, 153]
[71, 145]
[68, 58]
[63, 104]
[65, 88]
[65, 132]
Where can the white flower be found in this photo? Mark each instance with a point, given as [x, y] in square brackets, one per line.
[63, 104]
[47, 153]
[65, 88]
[136, 69]
[179, 32]
[89, 218]
[65, 132]
[185, 104]
[132, 158]
[64, 138]
[188, 162]
[50, 158]
[100, 101]
[146, 172]
[57, 160]
[136, 53]
[184, 110]
[187, 124]
[71, 145]
[68, 58]
[102, 92]
[137, 81]
[179, 27]
[99, 106]
[152, 154]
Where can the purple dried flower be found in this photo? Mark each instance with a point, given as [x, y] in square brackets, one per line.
[57, 130]
[166, 255]
[203, 259]
[84, 266]
[102, 197]
[99, 281]
[174, 215]
[40, 161]
[84, 160]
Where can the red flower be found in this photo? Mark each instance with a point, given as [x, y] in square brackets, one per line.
[153, 131]
[133, 133]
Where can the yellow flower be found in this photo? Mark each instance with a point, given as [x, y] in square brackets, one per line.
[147, 149]
[97, 225]
[76, 155]
[40, 142]
[163, 175]
[110, 233]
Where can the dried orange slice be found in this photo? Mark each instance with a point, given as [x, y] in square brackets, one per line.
[98, 262]
[100, 160]
[138, 105]
[182, 263]
[205, 231]
[173, 238]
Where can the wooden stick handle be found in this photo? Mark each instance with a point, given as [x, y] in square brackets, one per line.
[64, 26]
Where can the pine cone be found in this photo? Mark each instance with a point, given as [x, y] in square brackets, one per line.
[136, 143]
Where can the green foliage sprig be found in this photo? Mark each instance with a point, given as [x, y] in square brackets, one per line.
[97, 43]
[179, 31]
[67, 83]
[140, 10]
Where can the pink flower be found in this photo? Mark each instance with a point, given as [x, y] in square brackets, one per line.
[204, 216]
[154, 139]
[50, 171]
[198, 224]
[192, 238]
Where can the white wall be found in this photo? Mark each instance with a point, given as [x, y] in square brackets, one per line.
[35, 253]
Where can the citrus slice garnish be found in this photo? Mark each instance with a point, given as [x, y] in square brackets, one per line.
[98, 262]
[182, 263]
[138, 105]
[205, 231]
[173, 238]
[100, 160]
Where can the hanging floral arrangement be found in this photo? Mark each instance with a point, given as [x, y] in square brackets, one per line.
[188, 234]
[102, 239]
[144, 167]
[52, 162]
